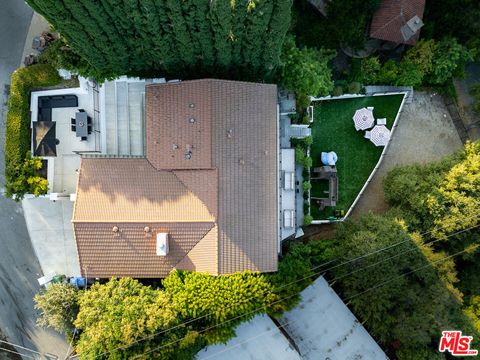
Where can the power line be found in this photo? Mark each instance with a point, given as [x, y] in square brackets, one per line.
[19, 346]
[288, 297]
[16, 352]
[151, 336]
[347, 299]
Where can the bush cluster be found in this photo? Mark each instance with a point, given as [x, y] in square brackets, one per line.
[17, 133]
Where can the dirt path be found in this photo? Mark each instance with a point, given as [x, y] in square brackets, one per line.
[425, 133]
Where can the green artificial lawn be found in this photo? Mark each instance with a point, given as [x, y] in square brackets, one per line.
[333, 130]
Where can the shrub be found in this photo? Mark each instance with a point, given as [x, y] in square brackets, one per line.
[307, 141]
[302, 101]
[59, 306]
[26, 180]
[370, 67]
[306, 120]
[299, 154]
[17, 139]
[337, 91]
[306, 186]
[354, 88]
[307, 219]
[307, 162]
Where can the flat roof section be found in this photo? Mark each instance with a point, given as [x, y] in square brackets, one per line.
[324, 328]
[257, 339]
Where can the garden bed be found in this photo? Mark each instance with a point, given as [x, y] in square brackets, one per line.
[333, 130]
[17, 133]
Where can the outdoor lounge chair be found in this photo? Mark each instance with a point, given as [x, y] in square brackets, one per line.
[370, 107]
[382, 121]
[367, 134]
[83, 138]
[74, 128]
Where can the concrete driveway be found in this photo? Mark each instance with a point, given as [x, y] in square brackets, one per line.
[19, 268]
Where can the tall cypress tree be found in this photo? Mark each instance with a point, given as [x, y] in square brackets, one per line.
[239, 12]
[220, 16]
[184, 38]
[275, 34]
[180, 32]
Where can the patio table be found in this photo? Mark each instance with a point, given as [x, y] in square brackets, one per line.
[81, 126]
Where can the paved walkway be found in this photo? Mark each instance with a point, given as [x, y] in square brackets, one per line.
[425, 133]
[19, 268]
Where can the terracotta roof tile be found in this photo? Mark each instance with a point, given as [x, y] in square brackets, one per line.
[392, 15]
[128, 190]
[131, 253]
[220, 206]
[178, 121]
[204, 255]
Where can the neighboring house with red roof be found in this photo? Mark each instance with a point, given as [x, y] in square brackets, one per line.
[398, 21]
[203, 198]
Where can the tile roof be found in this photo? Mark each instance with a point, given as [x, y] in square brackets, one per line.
[392, 15]
[130, 252]
[129, 190]
[219, 206]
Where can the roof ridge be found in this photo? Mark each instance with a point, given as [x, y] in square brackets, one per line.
[215, 225]
[387, 23]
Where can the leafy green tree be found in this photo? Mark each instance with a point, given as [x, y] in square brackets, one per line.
[407, 309]
[455, 18]
[388, 73]
[448, 61]
[227, 299]
[422, 55]
[407, 187]
[26, 180]
[115, 315]
[58, 305]
[295, 272]
[455, 203]
[409, 74]
[305, 71]
[473, 311]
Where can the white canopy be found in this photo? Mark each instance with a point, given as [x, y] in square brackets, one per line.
[363, 119]
[380, 135]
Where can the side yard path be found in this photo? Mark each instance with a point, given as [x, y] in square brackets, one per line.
[425, 133]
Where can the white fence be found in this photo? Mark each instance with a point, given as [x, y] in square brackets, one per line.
[394, 126]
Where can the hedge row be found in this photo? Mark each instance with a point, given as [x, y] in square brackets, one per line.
[17, 138]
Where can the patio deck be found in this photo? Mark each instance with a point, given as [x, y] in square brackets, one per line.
[62, 177]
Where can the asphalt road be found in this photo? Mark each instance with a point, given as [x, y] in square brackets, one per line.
[19, 267]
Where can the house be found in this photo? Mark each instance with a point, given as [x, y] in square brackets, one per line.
[204, 197]
[398, 21]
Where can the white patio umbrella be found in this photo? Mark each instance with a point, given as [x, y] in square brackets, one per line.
[363, 119]
[380, 135]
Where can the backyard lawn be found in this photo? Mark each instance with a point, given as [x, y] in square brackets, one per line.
[333, 130]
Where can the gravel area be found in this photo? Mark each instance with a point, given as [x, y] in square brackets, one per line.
[425, 132]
